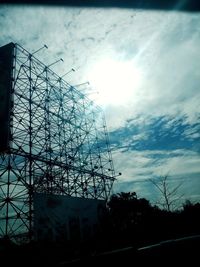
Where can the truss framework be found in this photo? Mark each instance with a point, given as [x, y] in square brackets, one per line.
[58, 144]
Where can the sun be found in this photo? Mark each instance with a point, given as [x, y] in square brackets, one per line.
[115, 81]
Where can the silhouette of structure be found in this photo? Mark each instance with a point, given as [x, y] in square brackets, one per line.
[53, 141]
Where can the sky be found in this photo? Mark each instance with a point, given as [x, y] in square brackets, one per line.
[143, 69]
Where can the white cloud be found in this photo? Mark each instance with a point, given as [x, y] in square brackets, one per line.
[185, 164]
[182, 166]
[131, 164]
[165, 45]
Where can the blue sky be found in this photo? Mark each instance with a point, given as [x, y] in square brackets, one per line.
[149, 68]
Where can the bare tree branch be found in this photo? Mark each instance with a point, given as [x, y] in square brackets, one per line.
[169, 196]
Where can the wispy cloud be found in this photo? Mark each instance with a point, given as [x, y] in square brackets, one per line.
[156, 133]
[157, 129]
[155, 148]
[139, 166]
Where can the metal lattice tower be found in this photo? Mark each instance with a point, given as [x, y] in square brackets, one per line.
[57, 143]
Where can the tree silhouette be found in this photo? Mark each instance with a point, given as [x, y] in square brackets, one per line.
[128, 216]
[169, 195]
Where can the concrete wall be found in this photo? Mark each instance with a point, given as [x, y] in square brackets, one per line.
[59, 218]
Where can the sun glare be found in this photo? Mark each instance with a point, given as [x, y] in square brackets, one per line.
[115, 81]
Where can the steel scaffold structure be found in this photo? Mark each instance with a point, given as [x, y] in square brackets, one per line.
[58, 144]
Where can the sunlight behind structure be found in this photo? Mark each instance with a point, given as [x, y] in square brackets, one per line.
[115, 81]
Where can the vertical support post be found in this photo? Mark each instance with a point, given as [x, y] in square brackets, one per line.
[8, 196]
[30, 183]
